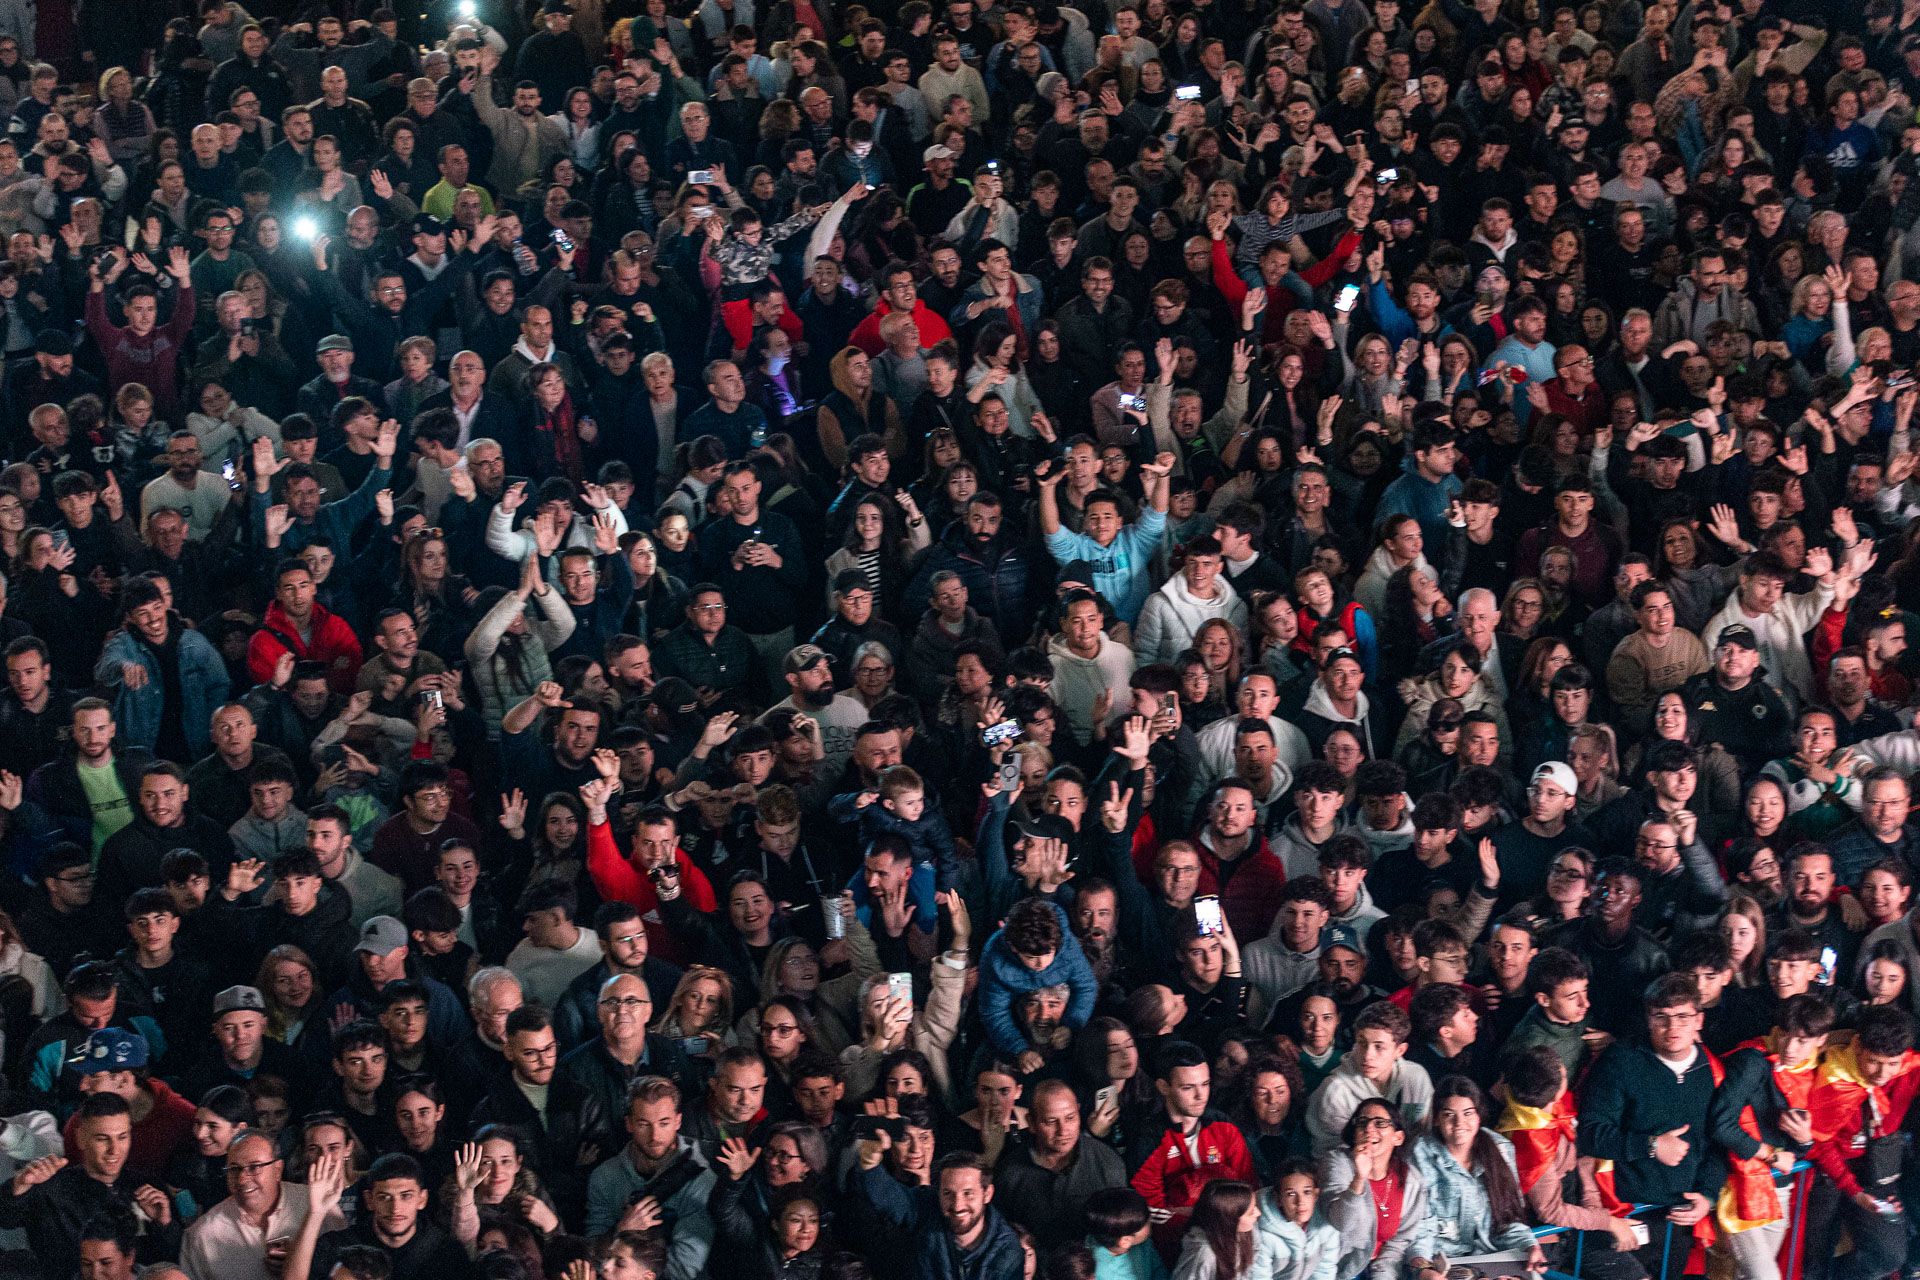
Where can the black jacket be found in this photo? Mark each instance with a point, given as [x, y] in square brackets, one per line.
[59, 1209]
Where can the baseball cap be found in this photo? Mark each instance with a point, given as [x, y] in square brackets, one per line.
[239, 1000]
[426, 224]
[381, 935]
[1341, 935]
[1560, 775]
[109, 1049]
[1741, 634]
[335, 342]
[937, 151]
[52, 342]
[675, 696]
[803, 656]
[1042, 826]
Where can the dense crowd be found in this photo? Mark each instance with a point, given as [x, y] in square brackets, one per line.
[1154, 640]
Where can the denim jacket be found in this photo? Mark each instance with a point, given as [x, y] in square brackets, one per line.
[1459, 1221]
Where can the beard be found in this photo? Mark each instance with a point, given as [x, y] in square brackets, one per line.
[818, 699]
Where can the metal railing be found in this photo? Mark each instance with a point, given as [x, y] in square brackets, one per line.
[1800, 1176]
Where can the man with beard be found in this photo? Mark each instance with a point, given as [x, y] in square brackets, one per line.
[809, 675]
[951, 1222]
[993, 563]
[34, 714]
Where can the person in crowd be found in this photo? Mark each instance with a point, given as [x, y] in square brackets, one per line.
[1397, 633]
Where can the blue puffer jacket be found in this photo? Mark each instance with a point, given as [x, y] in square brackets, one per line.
[1004, 980]
[204, 686]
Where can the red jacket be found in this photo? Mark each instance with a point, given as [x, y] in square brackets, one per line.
[333, 643]
[866, 334]
[161, 1135]
[618, 880]
[1837, 1105]
[738, 317]
[1171, 1179]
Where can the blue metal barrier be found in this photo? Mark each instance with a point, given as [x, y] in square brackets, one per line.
[1795, 1221]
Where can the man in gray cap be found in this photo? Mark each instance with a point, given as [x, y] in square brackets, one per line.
[337, 380]
[381, 956]
[809, 676]
[245, 1049]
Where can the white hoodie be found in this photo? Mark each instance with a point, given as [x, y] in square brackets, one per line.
[1173, 615]
[1371, 590]
[1078, 682]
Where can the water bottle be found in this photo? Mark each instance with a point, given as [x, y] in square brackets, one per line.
[758, 436]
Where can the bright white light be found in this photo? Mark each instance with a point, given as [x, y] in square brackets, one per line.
[305, 228]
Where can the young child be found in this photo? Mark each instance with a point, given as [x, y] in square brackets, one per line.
[1119, 1225]
[900, 808]
[1296, 1242]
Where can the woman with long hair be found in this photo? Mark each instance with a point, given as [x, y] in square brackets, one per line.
[1219, 1243]
[1415, 614]
[1272, 625]
[1716, 797]
[701, 1007]
[1523, 609]
[884, 548]
[508, 1184]
[1569, 885]
[1375, 1195]
[1885, 891]
[555, 848]
[289, 982]
[1271, 1109]
[1594, 757]
[440, 601]
[1472, 1186]
[420, 1120]
[1222, 647]
[1744, 925]
[773, 379]
[793, 970]
[1885, 973]
[1699, 586]
[997, 370]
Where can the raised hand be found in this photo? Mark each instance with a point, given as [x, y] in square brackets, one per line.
[1113, 812]
[738, 1158]
[244, 877]
[513, 810]
[37, 1172]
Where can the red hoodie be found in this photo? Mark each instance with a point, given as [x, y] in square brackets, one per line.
[618, 880]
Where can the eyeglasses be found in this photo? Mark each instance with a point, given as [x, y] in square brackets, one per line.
[709, 608]
[258, 1166]
[623, 1002]
[1644, 843]
[1374, 1122]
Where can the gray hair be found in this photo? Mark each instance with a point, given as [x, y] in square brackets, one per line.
[485, 980]
[1471, 594]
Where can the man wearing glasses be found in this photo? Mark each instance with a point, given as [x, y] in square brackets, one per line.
[408, 843]
[244, 1236]
[605, 1067]
[623, 952]
[1644, 1107]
